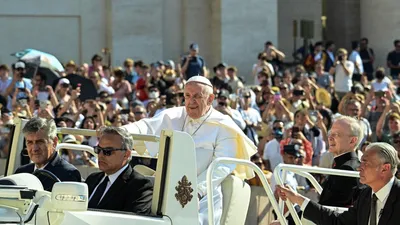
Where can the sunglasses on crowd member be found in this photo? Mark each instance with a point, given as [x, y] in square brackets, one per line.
[65, 85]
[107, 151]
[396, 141]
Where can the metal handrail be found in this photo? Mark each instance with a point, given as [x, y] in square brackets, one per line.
[255, 168]
[305, 171]
[85, 148]
[87, 132]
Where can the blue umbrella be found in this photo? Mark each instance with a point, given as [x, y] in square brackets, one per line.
[46, 60]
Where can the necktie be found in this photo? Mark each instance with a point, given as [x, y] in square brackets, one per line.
[94, 201]
[372, 214]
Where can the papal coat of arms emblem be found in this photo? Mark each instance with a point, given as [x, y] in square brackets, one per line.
[184, 191]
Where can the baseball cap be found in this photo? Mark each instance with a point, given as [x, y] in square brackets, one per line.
[223, 93]
[293, 150]
[20, 65]
[222, 65]
[170, 63]
[194, 46]
[246, 93]
[199, 79]
[69, 139]
[63, 81]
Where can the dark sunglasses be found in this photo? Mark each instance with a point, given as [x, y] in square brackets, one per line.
[20, 69]
[138, 113]
[107, 151]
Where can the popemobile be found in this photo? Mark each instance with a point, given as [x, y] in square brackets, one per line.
[23, 200]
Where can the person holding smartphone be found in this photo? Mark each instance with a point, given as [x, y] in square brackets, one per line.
[18, 81]
[342, 70]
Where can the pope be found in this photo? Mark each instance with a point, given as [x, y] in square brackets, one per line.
[214, 134]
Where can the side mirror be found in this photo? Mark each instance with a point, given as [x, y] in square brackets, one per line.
[70, 196]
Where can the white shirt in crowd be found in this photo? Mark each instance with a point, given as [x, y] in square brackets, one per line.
[272, 153]
[356, 59]
[343, 82]
[112, 178]
[381, 86]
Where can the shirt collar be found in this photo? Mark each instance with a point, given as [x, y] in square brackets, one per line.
[344, 157]
[36, 168]
[113, 177]
[384, 192]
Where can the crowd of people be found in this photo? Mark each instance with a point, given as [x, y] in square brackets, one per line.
[332, 101]
[282, 107]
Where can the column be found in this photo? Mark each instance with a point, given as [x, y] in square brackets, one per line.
[380, 24]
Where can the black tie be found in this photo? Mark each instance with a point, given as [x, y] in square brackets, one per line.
[373, 210]
[94, 201]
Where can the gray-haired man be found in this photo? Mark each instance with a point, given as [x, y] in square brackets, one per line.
[41, 141]
[118, 186]
[377, 204]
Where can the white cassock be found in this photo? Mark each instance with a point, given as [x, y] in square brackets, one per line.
[215, 135]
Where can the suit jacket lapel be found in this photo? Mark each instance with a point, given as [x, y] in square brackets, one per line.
[365, 206]
[53, 161]
[388, 207]
[116, 186]
[92, 185]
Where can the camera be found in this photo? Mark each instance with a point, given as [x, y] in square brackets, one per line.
[340, 57]
[295, 131]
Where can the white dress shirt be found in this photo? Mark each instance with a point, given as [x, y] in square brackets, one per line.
[382, 196]
[112, 178]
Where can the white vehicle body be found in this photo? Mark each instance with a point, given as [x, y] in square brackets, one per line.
[174, 198]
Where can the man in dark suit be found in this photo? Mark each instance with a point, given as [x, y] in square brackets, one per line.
[41, 141]
[377, 203]
[118, 186]
[344, 138]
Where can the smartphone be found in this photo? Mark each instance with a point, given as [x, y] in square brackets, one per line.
[298, 92]
[353, 90]
[23, 102]
[340, 57]
[125, 111]
[379, 94]
[232, 97]
[295, 130]
[277, 97]
[21, 89]
[124, 117]
[43, 105]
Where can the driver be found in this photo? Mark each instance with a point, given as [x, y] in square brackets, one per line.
[41, 141]
[118, 186]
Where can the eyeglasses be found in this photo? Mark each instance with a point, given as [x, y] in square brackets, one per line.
[107, 151]
[138, 113]
[20, 69]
